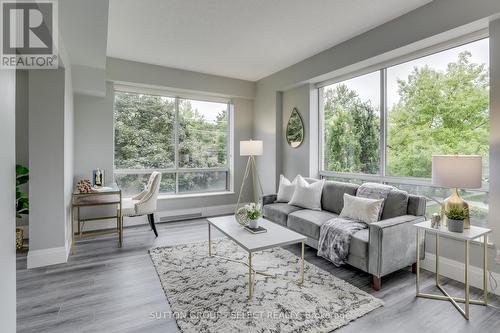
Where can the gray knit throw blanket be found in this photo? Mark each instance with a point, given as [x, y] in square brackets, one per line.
[335, 235]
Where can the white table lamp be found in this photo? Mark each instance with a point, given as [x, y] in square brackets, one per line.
[456, 172]
[250, 148]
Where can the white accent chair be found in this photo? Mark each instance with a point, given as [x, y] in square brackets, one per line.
[145, 202]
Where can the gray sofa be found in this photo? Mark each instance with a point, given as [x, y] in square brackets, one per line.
[384, 247]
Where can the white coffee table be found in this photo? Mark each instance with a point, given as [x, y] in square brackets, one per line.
[275, 236]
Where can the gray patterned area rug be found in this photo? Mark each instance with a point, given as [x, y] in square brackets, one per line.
[209, 294]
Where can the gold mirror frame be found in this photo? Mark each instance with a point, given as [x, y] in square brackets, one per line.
[296, 125]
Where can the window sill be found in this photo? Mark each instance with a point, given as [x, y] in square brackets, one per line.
[193, 195]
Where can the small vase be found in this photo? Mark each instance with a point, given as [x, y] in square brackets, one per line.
[253, 224]
[19, 239]
[455, 225]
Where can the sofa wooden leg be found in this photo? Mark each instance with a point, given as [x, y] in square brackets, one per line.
[376, 282]
[414, 268]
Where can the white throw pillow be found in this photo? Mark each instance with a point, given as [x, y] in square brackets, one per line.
[361, 209]
[307, 195]
[286, 189]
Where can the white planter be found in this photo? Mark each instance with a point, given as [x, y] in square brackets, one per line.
[254, 224]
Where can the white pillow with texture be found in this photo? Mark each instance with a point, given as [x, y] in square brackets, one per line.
[361, 209]
[286, 189]
[307, 195]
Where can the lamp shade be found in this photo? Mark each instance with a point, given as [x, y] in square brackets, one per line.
[459, 171]
[251, 148]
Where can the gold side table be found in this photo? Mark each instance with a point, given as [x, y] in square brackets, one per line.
[104, 196]
[467, 236]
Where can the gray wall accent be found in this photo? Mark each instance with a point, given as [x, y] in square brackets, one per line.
[428, 25]
[22, 142]
[94, 132]
[47, 161]
[7, 198]
[293, 159]
[68, 150]
[126, 71]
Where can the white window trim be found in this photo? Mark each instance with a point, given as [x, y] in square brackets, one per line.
[382, 177]
[228, 169]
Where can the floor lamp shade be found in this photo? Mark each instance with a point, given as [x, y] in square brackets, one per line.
[251, 148]
[457, 171]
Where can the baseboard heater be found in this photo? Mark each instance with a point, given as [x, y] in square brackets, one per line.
[180, 217]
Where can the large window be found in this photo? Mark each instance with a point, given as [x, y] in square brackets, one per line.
[386, 125]
[186, 140]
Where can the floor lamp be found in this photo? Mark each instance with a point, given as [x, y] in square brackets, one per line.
[250, 148]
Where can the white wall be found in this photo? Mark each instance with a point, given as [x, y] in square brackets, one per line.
[436, 22]
[50, 164]
[7, 198]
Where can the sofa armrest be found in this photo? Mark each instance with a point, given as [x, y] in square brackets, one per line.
[392, 244]
[268, 199]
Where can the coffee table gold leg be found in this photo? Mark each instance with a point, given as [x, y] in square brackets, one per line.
[209, 240]
[485, 269]
[302, 263]
[250, 274]
[467, 295]
[417, 276]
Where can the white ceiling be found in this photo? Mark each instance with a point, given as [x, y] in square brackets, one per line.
[245, 39]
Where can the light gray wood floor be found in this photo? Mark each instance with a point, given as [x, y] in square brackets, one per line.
[106, 289]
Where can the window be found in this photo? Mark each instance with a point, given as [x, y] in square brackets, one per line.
[386, 125]
[351, 118]
[187, 140]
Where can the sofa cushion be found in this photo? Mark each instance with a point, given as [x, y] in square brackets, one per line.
[308, 222]
[396, 204]
[332, 199]
[278, 212]
[359, 243]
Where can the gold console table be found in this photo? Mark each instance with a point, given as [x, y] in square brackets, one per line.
[467, 236]
[104, 196]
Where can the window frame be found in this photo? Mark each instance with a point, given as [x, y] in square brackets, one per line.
[176, 169]
[382, 67]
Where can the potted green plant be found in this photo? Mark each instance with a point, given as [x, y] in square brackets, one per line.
[456, 217]
[254, 212]
[22, 201]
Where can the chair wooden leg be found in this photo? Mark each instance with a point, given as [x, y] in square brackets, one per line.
[151, 219]
[414, 268]
[376, 282]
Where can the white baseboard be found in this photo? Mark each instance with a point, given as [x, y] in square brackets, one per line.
[47, 257]
[455, 270]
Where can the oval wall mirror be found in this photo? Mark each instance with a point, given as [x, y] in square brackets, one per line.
[295, 129]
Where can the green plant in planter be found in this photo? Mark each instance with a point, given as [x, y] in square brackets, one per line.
[455, 213]
[22, 201]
